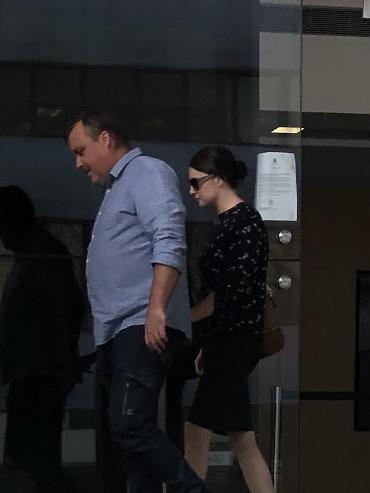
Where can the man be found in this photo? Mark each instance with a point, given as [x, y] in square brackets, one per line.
[40, 321]
[138, 295]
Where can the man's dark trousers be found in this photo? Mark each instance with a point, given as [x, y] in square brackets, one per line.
[133, 378]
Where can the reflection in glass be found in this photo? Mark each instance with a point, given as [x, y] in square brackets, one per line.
[182, 75]
[40, 323]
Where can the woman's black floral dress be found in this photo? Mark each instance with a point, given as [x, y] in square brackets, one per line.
[233, 266]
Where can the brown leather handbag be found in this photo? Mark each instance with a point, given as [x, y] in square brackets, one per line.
[273, 339]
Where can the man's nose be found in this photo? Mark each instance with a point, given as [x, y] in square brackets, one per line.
[78, 162]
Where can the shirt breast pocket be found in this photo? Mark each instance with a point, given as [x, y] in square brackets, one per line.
[121, 219]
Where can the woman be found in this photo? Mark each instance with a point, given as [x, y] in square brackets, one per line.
[233, 274]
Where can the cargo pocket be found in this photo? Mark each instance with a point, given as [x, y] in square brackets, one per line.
[140, 395]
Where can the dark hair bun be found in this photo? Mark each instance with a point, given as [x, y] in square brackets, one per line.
[241, 170]
[220, 161]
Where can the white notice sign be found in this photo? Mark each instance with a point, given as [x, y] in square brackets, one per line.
[366, 13]
[276, 186]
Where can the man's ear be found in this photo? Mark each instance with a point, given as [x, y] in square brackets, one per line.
[105, 138]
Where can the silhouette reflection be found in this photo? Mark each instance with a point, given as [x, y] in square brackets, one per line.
[40, 320]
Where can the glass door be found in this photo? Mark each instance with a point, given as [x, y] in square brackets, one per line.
[183, 75]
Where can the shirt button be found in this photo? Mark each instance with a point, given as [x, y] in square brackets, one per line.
[92, 237]
[87, 260]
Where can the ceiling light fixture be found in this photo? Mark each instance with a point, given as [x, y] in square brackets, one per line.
[287, 130]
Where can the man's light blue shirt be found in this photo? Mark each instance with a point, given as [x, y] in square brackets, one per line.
[141, 222]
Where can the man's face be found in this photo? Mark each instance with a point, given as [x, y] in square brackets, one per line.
[94, 157]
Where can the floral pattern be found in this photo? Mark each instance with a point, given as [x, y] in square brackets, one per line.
[233, 265]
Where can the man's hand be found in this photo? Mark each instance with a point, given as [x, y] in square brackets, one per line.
[155, 329]
[164, 281]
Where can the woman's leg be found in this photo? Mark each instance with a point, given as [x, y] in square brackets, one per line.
[197, 441]
[253, 465]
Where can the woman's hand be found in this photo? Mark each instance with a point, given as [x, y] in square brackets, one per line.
[198, 363]
[203, 309]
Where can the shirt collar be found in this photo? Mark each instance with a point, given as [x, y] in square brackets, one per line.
[123, 162]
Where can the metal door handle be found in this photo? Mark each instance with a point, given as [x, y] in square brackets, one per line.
[277, 436]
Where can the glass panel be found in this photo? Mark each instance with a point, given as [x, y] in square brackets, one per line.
[114, 89]
[211, 107]
[247, 101]
[280, 106]
[162, 103]
[57, 93]
[15, 115]
[180, 75]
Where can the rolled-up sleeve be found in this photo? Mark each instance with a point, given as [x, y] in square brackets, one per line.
[161, 211]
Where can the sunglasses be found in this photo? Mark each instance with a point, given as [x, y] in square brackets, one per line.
[196, 183]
